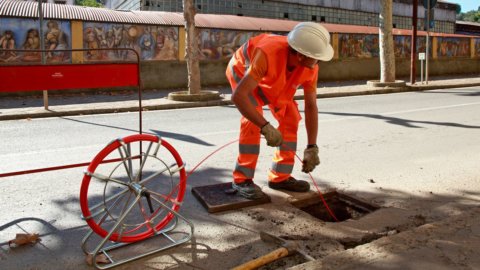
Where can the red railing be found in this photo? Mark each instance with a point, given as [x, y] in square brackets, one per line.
[62, 76]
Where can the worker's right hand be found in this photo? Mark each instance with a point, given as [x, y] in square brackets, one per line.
[272, 135]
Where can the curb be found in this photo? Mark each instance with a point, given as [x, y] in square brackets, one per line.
[221, 102]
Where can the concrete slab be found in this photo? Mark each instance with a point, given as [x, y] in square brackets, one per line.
[215, 198]
[449, 244]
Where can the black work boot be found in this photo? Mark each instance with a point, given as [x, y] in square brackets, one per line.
[248, 190]
[291, 184]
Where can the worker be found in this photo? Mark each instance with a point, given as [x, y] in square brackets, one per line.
[266, 71]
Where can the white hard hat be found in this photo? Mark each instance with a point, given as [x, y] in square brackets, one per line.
[312, 40]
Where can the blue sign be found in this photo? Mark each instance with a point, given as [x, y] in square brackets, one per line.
[431, 21]
[432, 3]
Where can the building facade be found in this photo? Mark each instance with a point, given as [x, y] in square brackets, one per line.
[351, 12]
[65, 2]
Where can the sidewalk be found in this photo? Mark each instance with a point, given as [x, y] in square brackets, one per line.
[112, 102]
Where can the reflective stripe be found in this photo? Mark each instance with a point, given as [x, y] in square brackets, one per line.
[262, 96]
[232, 70]
[237, 79]
[282, 168]
[248, 172]
[288, 146]
[245, 55]
[249, 148]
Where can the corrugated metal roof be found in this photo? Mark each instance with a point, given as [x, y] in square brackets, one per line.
[468, 23]
[243, 23]
[18, 8]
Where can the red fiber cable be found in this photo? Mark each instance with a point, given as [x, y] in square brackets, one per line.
[311, 177]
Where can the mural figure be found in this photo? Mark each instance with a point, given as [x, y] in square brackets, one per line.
[55, 39]
[32, 42]
[358, 46]
[91, 42]
[147, 44]
[102, 41]
[402, 46]
[7, 42]
[422, 45]
[453, 47]
[151, 42]
[477, 47]
[101, 37]
[208, 45]
[130, 42]
[166, 44]
[220, 44]
[224, 39]
[117, 40]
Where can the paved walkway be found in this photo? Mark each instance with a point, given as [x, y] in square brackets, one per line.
[123, 101]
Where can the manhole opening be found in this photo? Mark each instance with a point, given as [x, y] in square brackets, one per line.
[343, 206]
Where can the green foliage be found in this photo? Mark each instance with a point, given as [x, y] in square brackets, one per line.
[88, 3]
[471, 16]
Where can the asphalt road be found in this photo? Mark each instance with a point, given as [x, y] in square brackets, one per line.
[417, 150]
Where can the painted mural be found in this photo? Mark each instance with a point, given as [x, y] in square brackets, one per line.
[367, 46]
[453, 47]
[24, 34]
[358, 46]
[402, 46]
[150, 42]
[153, 42]
[422, 45]
[477, 47]
[221, 44]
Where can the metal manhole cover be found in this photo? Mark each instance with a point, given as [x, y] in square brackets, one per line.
[215, 199]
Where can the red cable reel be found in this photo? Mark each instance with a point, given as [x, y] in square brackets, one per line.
[139, 191]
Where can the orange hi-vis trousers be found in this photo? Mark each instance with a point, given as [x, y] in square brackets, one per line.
[288, 118]
[284, 156]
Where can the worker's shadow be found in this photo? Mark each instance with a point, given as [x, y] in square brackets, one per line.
[196, 255]
[180, 137]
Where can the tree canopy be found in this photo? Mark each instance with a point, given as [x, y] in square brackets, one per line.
[470, 16]
[88, 3]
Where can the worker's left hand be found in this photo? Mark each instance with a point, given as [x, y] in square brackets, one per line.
[310, 159]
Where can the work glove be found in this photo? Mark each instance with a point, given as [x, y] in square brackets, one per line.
[272, 135]
[310, 159]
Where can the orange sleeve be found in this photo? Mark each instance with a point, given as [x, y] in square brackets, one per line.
[258, 66]
[311, 85]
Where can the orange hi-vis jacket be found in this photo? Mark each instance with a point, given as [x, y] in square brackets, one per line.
[276, 89]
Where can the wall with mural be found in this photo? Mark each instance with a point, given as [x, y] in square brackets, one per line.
[477, 47]
[24, 34]
[155, 42]
[151, 42]
[453, 47]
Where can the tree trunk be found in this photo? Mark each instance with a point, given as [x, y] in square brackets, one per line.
[387, 55]
[191, 48]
